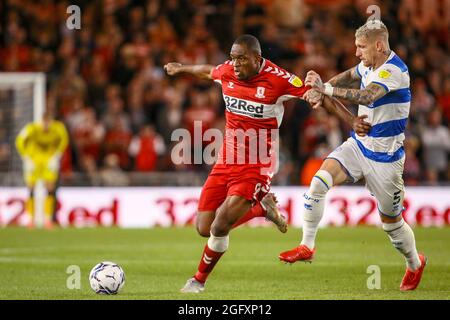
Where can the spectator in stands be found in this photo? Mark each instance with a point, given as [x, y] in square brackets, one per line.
[444, 99]
[313, 163]
[422, 101]
[5, 152]
[88, 135]
[116, 112]
[113, 63]
[436, 147]
[111, 175]
[288, 14]
[117, 140]
[145, 148]
[252, 16]
[333, 132]
[412, 171]
[89, 166]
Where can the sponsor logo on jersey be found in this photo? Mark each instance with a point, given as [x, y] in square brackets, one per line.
[231, 85]
[295, 81]
[244, 107]
[384, 74]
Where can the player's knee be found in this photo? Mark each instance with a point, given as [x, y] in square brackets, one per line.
[203, 222]
[390, 207]
[220, 229]
[51, 188]
[320, 184]
[393, 217]
[388, 220]
[203, 229]
[226, 217]
[221, 226]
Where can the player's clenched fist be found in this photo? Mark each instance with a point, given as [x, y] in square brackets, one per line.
[314, 98]
[313, 79]
[172, 68]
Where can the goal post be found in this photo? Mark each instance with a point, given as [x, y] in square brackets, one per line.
[16, 80]
[22, 100]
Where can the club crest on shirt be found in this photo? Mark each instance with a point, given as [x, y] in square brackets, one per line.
[260, 92]
[384, 74]
[295, 81]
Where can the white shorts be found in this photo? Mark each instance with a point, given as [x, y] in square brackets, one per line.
[383, 180]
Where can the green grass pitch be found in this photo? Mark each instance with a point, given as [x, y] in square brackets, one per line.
[157, 262]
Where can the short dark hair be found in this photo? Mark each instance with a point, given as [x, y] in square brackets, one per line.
[251, 42]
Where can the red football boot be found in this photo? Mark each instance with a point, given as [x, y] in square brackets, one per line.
[300, 253]
[412, 278]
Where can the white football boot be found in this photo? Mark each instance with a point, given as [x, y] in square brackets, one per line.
[193, 286]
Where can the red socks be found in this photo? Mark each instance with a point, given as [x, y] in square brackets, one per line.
[210, 257]
[255, 211]
[209, 260]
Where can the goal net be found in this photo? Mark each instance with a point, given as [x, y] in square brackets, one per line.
[22, 99]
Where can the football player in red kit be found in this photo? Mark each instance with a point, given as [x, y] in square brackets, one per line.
[254, 90]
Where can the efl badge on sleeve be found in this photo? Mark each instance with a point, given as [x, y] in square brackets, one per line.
[384, 74]
[295, 81]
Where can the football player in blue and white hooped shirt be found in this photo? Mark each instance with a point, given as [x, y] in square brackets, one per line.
[380, 85]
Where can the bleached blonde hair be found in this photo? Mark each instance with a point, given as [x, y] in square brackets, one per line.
[373, 29]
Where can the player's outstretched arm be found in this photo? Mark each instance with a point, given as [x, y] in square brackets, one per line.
[202, 71]
[365, 96]
[335, 107]
[346, 79]
[358, 123]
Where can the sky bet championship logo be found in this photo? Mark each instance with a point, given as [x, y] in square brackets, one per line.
[239, 147]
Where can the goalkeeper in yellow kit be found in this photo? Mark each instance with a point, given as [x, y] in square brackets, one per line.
[41, 145]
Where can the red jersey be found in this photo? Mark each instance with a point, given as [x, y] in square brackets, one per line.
[253, 105]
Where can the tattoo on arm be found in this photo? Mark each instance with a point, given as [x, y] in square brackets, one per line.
[346, 79]
[365, 96]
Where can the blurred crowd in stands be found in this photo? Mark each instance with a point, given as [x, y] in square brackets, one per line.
[106, 80]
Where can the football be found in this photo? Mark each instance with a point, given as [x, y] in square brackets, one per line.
[107, 278]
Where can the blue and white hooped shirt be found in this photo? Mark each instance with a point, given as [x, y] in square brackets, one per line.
[389, 114]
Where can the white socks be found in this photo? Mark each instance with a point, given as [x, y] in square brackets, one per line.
[314, 206]
[218, 244]
[400, 233]
[402, 238]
